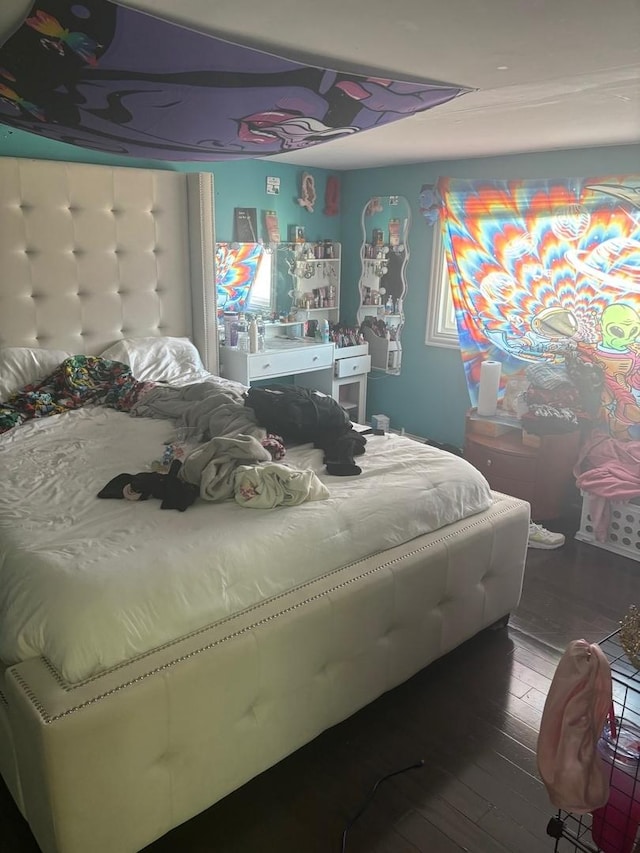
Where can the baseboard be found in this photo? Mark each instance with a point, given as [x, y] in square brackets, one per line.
[410, 435]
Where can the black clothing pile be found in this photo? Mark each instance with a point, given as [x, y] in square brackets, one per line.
[303, 415]
[168, 488]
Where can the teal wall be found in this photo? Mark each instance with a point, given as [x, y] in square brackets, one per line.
[241, 183]
[430, 396]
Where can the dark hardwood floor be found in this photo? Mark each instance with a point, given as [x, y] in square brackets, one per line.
[472, 717]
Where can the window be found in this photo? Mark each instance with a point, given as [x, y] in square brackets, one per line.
[260, 295]
[442, 330]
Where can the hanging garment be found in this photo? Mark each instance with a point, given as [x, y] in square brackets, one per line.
[579, 699]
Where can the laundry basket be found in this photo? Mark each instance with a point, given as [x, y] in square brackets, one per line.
[623, 533]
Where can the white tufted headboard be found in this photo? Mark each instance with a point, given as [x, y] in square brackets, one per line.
[92, 254]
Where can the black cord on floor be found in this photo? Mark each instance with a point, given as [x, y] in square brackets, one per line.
[370, 797]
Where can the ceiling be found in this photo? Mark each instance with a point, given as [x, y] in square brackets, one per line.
[544, 74]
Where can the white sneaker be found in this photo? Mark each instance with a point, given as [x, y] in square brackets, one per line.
[540, 537]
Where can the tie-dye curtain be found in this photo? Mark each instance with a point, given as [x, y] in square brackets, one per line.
[542, 268]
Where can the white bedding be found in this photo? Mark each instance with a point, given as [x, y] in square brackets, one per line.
[88, 583]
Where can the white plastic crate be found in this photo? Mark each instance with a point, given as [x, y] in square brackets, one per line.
[623, 534]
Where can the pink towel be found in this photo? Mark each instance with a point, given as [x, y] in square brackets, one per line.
[579, 699]
[609, 470]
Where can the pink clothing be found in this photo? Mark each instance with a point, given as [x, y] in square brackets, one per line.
[579, 699]
[609, 470]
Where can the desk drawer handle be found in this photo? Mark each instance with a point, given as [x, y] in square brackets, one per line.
[355, 367]
[264, 366]
[315, 358]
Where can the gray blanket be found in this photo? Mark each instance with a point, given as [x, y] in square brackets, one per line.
[212, 466]
[202, 411]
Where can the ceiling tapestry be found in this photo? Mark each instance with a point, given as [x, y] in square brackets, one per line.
[101, 76]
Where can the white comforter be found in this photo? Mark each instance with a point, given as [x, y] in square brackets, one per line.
[88, 583]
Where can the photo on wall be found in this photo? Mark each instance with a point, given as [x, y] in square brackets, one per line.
[245, 225]
[272, 226]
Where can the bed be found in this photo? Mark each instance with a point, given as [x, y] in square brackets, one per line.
[120, 721]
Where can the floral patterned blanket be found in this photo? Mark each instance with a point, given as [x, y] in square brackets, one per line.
[77, 381]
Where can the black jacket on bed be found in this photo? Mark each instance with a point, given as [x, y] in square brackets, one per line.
[304, 415]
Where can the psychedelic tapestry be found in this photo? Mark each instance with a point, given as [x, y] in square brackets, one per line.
[98, 75]
[548, 271]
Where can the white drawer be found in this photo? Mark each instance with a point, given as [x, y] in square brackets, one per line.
[351, 352]
[352, 366]
[297, 360]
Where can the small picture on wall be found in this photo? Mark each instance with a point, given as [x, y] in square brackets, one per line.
[296, 233]
[271, 226]
[245, 225]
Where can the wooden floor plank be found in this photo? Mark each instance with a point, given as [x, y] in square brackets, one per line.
[424, 835]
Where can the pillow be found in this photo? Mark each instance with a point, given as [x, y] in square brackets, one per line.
[25, 365]
[159, 359]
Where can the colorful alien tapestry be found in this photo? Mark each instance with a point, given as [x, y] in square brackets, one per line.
[98, 75]
[542, 268]
[236, 269]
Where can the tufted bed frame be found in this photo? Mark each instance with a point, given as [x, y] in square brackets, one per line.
[90, 254]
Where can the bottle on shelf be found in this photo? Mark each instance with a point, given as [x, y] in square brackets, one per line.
[253, 335]
[324, 330]
[239, 333]
[261, 334]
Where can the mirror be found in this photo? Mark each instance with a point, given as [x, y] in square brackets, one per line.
[244, 278]
[285, 278]
[384, 255]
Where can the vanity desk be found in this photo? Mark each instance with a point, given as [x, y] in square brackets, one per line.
[346, 381]
[300, 281]
[279, 358]
[340, 372]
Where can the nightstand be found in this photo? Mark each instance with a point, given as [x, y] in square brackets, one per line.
[541, 475]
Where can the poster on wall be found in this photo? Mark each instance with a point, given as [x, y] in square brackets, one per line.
[245, 224]
[545, 269]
